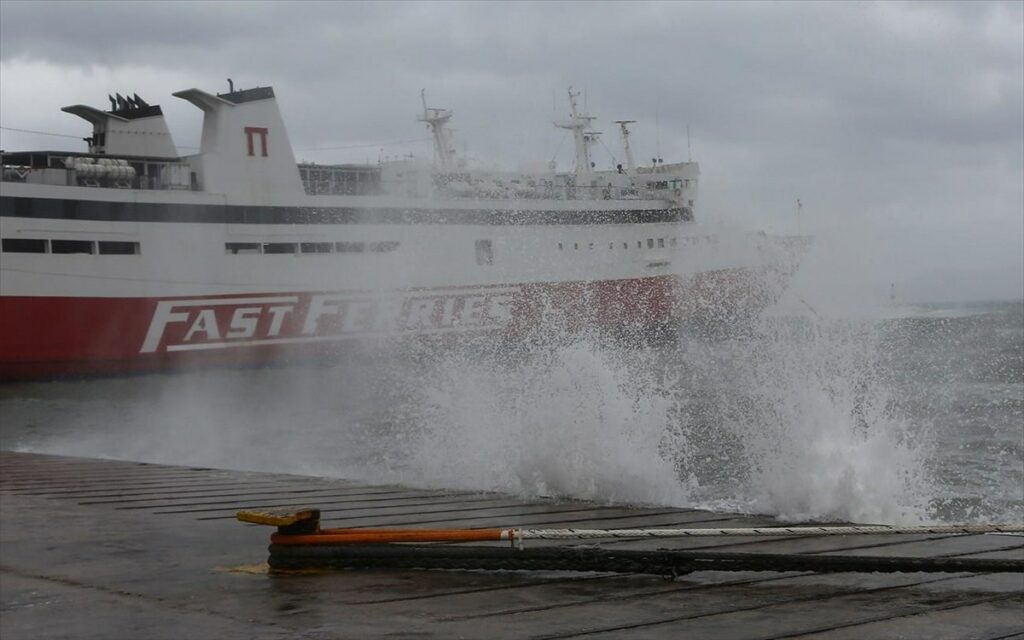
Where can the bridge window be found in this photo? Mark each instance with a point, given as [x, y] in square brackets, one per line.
[114, 248]
[72, 246]
[350, 247]
[382, 247]
[23, 245]
[316, 247]
[278, 247]
[242, 247]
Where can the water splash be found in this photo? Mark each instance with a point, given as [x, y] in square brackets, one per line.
[790, 419]
[790, 415]
[795, 414]
[571, 422]
[796, 422]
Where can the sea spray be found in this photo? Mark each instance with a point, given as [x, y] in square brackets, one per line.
[801, 415]
[794, 421]
[790, 418]
[570, 422]
[827, 406]
[787, 414]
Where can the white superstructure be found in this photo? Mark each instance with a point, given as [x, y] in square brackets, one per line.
[238, 248]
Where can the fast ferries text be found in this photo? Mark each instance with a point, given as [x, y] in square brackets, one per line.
[218, 323]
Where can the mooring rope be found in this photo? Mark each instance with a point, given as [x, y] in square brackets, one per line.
[517, 536]
[299, 543]
[668, 562]
[594, 534]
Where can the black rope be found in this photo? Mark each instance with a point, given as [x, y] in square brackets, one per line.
[667, 562]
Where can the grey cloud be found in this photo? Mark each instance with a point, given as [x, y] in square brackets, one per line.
[912, 110]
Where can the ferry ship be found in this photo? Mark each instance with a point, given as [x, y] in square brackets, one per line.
[130, 257]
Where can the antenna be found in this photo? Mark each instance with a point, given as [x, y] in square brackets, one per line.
[689, 155]
[624, 131]
[436, 120]
[657, 134]
[578, 123]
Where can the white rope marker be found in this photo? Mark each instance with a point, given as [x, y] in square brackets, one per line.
[518, 535]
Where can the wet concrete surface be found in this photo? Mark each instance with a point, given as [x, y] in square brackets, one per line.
[110, 549]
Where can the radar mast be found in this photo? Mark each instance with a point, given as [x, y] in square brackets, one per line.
[437, 119]
[577, 123]
[624, 130]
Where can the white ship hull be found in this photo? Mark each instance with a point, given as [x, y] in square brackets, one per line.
[147, 261]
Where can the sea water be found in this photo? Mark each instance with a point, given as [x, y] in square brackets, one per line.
[907, 416]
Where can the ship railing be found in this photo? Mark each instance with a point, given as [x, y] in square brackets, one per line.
[557, 192]
[14, 173]
[68, 178]
[62, 169]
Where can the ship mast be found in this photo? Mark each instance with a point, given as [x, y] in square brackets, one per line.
[436, 119]
[577, 123]
[624, 130]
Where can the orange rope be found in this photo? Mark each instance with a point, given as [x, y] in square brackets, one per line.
[383, 536]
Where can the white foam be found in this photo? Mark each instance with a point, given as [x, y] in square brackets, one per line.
[789, 420]
[572, 423]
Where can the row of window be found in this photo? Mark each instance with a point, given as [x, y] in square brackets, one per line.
[483, 248]
[40, 245]
[236, 248]
[58, 209]
[652, 243]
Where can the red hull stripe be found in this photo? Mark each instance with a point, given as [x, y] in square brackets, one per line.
[54, 336]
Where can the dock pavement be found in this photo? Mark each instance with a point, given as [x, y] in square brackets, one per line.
[110, 549]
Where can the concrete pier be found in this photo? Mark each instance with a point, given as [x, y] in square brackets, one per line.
[111, 549]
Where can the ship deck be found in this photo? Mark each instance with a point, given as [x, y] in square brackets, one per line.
[113, 549]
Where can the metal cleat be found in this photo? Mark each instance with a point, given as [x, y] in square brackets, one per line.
[302, 521]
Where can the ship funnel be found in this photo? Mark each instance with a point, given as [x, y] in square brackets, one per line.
[245, 152]
[132, 127]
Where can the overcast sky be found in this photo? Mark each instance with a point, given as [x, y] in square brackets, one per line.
[900, 124]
